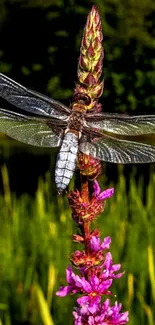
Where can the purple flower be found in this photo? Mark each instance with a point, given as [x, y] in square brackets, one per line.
[96, 246]
[111, 268]
[92, 289]
[102, 195]
[75, 283]
[104, 315]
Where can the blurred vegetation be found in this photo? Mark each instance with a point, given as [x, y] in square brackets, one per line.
[35, 245]
[40, 42]
[39, 48]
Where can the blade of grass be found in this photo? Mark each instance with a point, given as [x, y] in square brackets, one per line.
[43, 306]
[151, 270]
[51, 283]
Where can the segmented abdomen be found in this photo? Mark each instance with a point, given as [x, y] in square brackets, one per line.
[66, 161]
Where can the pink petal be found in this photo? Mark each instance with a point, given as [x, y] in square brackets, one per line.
[106, 243]
[96, 188]
[106, 194]
[64, 291]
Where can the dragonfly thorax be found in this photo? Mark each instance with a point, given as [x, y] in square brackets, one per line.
[76, 120]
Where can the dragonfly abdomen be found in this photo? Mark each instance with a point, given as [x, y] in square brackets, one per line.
[66, 161]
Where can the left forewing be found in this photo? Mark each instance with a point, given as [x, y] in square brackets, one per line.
[31, 101]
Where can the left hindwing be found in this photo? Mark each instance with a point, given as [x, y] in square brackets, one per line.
[36, 131]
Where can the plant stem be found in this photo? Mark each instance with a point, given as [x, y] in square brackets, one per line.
[85, 198]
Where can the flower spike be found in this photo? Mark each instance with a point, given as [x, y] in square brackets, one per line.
[94, 263]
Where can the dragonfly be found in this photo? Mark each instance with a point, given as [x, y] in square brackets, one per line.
[45, 122]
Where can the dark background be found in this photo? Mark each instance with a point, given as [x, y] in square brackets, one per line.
[39, 47]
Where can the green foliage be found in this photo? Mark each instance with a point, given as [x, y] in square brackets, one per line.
[48, 50]
[35, 245]
[28, 252]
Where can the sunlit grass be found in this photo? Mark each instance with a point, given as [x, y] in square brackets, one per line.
[35, 245]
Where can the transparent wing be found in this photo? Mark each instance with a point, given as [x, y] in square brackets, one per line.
[30, 130]
[118, 151]
[122, 124]
[31, 101]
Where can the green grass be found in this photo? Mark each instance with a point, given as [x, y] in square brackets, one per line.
[35, 245]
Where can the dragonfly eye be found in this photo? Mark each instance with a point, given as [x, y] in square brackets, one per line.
[82, 98]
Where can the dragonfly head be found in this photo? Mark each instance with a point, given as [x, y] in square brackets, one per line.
[81, 98]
